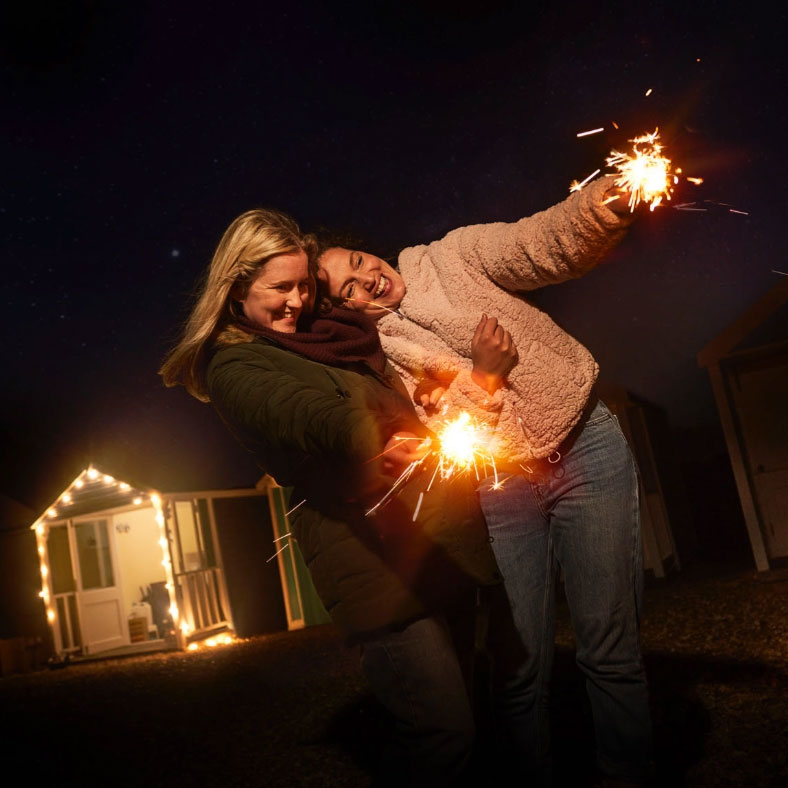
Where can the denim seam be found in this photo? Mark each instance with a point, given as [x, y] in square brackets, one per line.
[601, 419]
[539, 498]
[542, 682]
[403, 684]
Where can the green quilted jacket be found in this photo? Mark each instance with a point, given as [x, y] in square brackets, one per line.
[320, 430]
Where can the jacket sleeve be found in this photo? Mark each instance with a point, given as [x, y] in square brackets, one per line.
[461, 394]
[563, 242]
[292, 428]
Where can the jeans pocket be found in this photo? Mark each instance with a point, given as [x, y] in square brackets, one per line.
[599, 415]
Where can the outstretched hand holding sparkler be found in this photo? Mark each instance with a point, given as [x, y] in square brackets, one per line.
[401, 450]
[644, 176]
[461, 447]
[644, 172]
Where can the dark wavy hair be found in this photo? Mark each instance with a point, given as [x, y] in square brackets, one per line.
[326, 238]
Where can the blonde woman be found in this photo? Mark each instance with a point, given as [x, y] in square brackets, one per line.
[312, 397]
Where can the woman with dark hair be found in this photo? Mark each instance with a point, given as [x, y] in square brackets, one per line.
[312, 397]
[570, 501]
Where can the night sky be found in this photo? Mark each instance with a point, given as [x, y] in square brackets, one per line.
[133, 133]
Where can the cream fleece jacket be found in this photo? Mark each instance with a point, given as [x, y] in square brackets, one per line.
[481, 268]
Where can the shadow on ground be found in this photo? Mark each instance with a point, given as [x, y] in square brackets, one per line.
[292, 709]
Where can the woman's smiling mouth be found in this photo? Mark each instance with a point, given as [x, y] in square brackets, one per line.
[383, 286]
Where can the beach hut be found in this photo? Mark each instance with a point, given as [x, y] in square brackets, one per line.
[747, 364]
[646, 429]
[125, 568]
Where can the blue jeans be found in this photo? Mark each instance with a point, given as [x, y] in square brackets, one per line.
[579, 514]
[416, 674]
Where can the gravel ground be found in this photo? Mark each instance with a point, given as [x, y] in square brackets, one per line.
[291, 709]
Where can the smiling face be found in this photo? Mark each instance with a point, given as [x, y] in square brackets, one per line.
[279, 292]
[363, 281]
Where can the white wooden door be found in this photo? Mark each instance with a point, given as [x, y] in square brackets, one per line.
[760, 391]
[99, 591]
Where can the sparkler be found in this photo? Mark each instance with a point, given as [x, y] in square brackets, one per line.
[462, 446]
[377, 306]
[645, 173]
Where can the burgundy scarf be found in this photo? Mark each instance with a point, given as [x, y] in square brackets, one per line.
[338, 338]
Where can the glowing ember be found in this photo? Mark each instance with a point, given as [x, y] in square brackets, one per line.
[462, 446]
[225, 639]
[592, 131]
[575, 186]
[460, 442]
[645, 173]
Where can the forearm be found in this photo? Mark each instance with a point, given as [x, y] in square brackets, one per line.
[560, 243]
[299, 432]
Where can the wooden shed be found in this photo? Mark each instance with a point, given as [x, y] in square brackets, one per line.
[747, 363]
[125, 568]
[645, 427]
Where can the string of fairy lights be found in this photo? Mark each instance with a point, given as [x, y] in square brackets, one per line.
[58, 510]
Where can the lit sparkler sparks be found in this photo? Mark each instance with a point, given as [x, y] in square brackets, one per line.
[591, 131]
[462, 443]
[645, 173]
[286, 545]
[575, 186]
[462, 446]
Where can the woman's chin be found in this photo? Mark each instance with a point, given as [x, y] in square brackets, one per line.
[286, 325]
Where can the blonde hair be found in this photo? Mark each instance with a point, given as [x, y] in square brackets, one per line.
[250, 241]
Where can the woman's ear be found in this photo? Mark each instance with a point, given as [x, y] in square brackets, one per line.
[237, 291]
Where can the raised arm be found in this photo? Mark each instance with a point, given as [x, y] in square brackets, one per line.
[560, 243]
